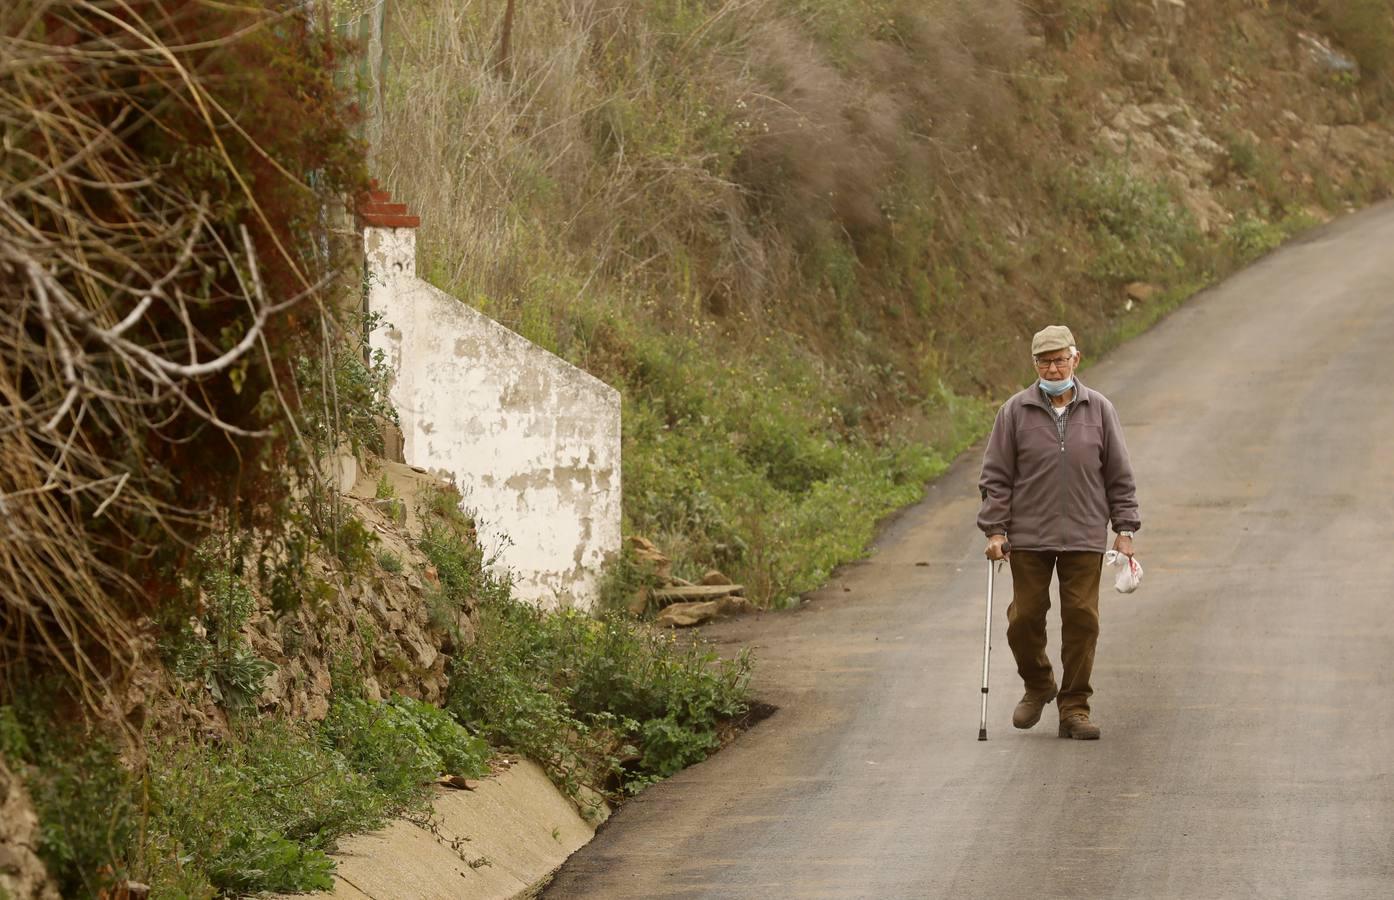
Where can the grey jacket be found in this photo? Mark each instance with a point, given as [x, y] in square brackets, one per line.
[1051, 485]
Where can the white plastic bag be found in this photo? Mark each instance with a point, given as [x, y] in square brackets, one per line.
[1130, 573]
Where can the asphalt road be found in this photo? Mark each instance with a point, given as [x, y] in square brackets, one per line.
[1244, 691]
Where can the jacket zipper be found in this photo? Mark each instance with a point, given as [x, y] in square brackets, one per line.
[1062, 424]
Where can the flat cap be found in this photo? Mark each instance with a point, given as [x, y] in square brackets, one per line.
[1052, 337]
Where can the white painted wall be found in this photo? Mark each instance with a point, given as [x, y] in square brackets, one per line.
[532, 441]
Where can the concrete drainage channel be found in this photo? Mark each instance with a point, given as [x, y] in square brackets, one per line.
[500, 841]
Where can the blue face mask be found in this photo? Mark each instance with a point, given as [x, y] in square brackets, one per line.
[1056, 388]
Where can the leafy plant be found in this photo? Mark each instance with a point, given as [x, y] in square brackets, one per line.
[1140, 230]
[352, 541]
[465, 573]
[255, 812]
[602, 704]
[576, 694]
[402, 743]
[347, 391]
[1251, 236]
[211, 648]
[390, 562]
[85, 803]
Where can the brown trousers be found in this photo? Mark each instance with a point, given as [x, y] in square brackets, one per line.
[1079, 622]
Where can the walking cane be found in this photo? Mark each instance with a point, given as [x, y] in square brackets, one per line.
[987, 650]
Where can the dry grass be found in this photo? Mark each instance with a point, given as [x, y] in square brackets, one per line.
[151, 296]
[700, 155]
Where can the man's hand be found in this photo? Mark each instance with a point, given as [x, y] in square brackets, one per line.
[998, 548]
[1123, 545]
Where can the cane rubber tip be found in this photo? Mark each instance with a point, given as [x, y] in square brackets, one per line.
[982, 734]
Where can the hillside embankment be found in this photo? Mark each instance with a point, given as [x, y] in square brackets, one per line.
[806, 238]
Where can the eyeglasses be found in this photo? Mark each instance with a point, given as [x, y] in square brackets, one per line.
[1045, 364]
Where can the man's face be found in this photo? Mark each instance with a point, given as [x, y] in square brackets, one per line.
[1056, 365]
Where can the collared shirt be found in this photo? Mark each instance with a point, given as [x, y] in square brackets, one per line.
[1062, 414]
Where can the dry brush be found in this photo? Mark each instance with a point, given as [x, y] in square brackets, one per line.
[165, 260]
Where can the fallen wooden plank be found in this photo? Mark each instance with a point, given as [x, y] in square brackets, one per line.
[696, 592]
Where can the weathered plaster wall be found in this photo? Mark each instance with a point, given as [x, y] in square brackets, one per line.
[532, 441]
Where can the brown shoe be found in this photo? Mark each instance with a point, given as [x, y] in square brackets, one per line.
[1028, 711]
[1078, 726]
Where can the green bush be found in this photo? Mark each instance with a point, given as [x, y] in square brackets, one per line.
[86, 806]
[381, 741]
[459, 751]
[390, 562]
[259, 811]
[356, 379]
[1140, 231]
[1250, 236]
[401, 744]
[256, 812]
[601, 703]
[750, 466]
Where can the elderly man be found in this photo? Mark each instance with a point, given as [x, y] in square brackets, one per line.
[1055, 473]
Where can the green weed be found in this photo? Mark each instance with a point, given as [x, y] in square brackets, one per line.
[1140, 231]
[753, 219]
[210, 649]
[465, 573]
[401, 744]
[351, 541]
[563, 688]
[256, 811]
[601, 704]
[87, 810]
[1261, 165]
[390, 562]
[346, 393]
[1250, 236]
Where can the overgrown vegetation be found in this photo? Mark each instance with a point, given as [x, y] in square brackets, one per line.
[181, 365]
[256, 811]
[465, 574]
[211, 651]
[796, 233]
[1141, 231]
[170, 270]
[71, 779]
[603, 705]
